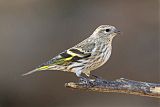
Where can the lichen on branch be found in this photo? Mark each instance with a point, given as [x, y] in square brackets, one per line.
[120, 86]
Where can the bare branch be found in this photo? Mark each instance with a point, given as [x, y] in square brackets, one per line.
[120, 86]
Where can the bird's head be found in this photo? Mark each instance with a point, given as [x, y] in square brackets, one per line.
[105, 31]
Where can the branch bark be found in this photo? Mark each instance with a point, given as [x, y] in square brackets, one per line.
[120, 86]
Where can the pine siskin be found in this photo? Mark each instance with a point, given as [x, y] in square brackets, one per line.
[86, 56]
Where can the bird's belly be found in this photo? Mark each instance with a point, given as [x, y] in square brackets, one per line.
[90, 64]
[75, 66]
[99, 61]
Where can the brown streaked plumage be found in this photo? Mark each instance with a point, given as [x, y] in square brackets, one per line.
[86, 56]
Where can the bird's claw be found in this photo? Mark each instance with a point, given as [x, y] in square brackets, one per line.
[83, 80]
[87, 81]
[96, 77]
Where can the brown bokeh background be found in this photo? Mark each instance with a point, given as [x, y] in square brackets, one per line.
[33, 31]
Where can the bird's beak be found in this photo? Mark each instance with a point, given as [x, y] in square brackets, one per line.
[117, 31]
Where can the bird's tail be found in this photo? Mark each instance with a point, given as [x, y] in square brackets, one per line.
[46, 67]
[30, 72]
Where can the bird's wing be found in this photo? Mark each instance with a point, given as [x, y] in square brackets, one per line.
[86, 46]
[74, 54]
[81, 51]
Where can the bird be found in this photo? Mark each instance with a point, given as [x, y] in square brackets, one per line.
[84, 57]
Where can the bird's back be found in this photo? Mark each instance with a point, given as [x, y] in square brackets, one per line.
[86, 56]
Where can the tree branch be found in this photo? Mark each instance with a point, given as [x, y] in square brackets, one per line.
[120, 86]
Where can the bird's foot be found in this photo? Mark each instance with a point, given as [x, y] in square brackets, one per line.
[96, 77]
[83, 80]
[88, 81]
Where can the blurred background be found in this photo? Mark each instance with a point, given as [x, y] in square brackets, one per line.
[33, 31]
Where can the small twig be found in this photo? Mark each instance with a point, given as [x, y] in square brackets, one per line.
[120, 85]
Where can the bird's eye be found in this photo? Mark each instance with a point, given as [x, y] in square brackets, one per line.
[108, 30]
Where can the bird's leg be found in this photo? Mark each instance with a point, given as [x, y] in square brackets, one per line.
[84, 80]
[95, 76]
[81, 78]
[87, 81]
